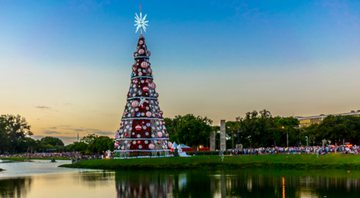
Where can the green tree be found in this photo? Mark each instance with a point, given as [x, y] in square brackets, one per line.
[311, 135]
[77, 146]
[260, 129]
[98, 144]
[189, 129]
[29, 145]
[13, 130]
[49, 143]
[287, 129]
[339, 129]
[169, 123]
[53, 141]
[232, 130]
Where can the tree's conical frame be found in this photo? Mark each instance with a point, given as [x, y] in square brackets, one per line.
[142, 130]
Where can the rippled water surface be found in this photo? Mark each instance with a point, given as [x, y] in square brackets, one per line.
[44, 179]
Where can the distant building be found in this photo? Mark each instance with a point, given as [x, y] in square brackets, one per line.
[309, 120]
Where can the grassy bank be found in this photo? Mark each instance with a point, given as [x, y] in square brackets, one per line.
[331, 161]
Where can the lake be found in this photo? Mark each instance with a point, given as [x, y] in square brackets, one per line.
[40, 179]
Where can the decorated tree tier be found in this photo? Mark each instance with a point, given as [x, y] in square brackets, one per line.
[142, 129]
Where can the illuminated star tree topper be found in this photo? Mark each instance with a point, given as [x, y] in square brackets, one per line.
[141, 23]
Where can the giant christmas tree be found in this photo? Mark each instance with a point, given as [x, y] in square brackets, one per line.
[142, 129]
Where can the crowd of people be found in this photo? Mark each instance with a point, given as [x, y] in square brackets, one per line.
[49, 155]
[319, 150]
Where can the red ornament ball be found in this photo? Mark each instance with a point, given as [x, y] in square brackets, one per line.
[146, 89]
[138, 127]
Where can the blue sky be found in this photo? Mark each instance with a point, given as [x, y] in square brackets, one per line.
[219, 58]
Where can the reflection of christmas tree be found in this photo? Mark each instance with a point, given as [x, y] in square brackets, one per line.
[142, 131]
[143, 184]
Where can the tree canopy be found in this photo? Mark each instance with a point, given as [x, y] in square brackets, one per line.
[189, 129]
[336, 129]
[53, 141]
[261, 129]
[14, 133]
[91, 144]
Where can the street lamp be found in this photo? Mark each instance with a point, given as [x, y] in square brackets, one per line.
[287, 136]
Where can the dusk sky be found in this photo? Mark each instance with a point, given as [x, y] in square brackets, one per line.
[66, 64]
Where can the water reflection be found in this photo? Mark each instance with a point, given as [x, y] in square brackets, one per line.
[95, 179]
[143, 184]
[243, 183]
[178, 183]
[17, 187]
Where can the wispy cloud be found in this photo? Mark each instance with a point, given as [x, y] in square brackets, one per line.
[43, 107]
[52, 132]
[65, 139]
[106, 133]
[68, 130]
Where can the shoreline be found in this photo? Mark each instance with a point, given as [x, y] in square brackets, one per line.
[285, 161]
[26, 159]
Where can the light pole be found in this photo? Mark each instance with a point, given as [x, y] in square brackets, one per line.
[238, 131]
[287, 139]
[287, 136]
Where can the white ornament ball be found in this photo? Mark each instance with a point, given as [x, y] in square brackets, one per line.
[144, 64]
[152, 85]
[151, 146]
[141, 51]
